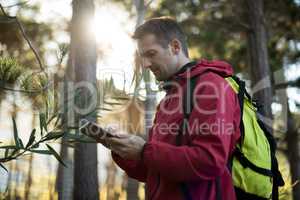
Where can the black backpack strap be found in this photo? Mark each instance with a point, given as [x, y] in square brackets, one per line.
[242, 92]
[188, 104]
[277, 176]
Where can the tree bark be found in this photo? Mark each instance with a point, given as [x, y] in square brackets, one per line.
[292, 139]
[83, 59]
[65, 176]
[29, 178]
[258, 52]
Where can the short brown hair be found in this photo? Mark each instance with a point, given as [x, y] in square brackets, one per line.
[165, 30]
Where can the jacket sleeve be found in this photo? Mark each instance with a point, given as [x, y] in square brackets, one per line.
[134, 169]
[211, 136]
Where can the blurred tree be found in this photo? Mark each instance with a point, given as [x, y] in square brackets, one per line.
[258, 53]
[12, 42]
[83, 60]
[29, 180]
[111, 171]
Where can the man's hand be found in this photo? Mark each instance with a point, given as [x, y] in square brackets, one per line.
[127, 146]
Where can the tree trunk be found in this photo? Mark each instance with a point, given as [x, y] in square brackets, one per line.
[132, 184]
[29, 178]
[258, 52]
[65, 179]
[292, 139]
[111, 172]
[83, 59]
[9, 180]
[287, 124]
[65, 176]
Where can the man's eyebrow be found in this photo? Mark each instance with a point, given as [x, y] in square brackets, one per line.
[147, 52]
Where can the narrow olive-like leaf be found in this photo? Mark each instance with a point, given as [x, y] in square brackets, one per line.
[46, 152]
[36, 145]
[112, 103]
[53, 135]
[14, 152]
[47, 112]
[17, 141]
[8, 147]
[21, 144]
[79, 138]
[106, 109]
[71, 145]
[6, 153]
[73, 127]
[57, 120]
[51, 118]
[31, 139]
[43, 124]
[121, 98]
[56, 155]
[2, 166]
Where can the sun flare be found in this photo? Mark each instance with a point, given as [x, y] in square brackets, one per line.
[112, 28]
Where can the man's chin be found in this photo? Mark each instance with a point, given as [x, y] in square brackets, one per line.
[159, 78]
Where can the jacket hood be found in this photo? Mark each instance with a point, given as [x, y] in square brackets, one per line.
[220, 67]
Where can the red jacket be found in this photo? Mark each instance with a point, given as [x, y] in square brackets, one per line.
[213, 133]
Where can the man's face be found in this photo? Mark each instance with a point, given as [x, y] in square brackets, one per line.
[160, 60]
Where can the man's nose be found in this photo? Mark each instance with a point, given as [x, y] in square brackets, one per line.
[146, 63]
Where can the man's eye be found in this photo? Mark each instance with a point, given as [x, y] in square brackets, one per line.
[151, 54]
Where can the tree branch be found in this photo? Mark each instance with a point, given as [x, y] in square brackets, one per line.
[148, 4]
[16, 4]
[20, 26]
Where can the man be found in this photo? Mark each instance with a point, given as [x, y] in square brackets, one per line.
[200, 162]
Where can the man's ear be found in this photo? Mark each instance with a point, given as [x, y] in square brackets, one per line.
[175, 46]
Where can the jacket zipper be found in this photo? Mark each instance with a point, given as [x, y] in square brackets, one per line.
[156, 189]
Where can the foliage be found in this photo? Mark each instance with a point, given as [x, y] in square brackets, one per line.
[12, 152]
[10, 71]
[12, 41]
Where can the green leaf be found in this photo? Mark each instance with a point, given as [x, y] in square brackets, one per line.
[8, 147]
[51, 118]
[14, 152]
[53, 135]
[57, 120]
[43, 124]
[6, 153]
[31, 139]
[121, 98]
[2, 166]
[47, 112]
[56, 155]
[45, 152]
[112, 103]
[17, 141]
[35, 146]
[106, 109]
[79, 138]
[21, 144]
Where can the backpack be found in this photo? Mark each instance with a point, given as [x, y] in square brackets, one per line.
[253, 164]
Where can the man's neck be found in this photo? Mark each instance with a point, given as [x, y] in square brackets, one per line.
[183, 62]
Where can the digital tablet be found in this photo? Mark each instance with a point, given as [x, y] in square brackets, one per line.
[94, 130]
